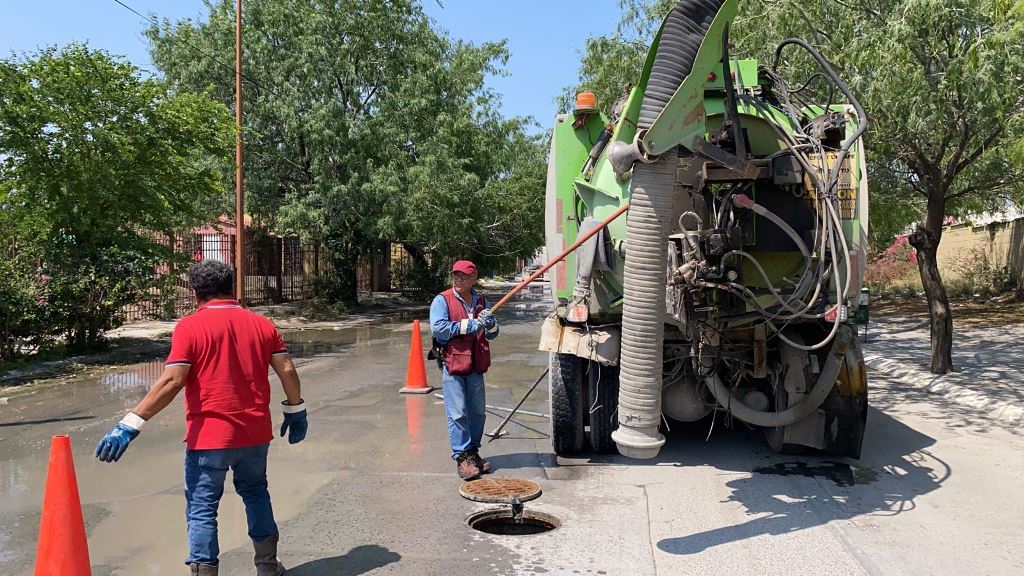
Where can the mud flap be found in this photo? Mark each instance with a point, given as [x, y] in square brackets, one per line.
[596, 344]
[837, 427]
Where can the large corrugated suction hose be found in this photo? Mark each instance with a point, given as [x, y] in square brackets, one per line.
[647, 227]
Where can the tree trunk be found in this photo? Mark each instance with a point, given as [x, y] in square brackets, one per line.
[926, 243]
[425, 276]
[345, 287]
[419, 257]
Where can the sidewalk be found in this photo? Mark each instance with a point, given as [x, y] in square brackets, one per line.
[989, 363]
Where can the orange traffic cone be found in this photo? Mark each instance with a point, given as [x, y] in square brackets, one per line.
[62, 550]
[416, 375]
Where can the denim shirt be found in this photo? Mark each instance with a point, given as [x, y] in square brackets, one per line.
[444, 329]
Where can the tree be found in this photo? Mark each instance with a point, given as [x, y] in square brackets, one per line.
[940, 81]
[97, 164]
[364, 123]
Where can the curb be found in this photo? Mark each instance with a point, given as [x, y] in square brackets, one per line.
[68, 366]
[944, 385]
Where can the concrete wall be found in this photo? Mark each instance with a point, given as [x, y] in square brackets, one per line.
[1003, 242]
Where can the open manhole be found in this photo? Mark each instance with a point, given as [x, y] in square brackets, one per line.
[503, 522]
[500, 490]
[511, 521]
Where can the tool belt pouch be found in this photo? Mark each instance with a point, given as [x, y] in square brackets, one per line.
[436, 353]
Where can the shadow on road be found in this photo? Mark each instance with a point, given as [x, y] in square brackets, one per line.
[899, 466]
[359, 560]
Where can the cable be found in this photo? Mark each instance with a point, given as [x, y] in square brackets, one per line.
[156, 22]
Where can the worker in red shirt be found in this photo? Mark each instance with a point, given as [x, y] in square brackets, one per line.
[221, 355]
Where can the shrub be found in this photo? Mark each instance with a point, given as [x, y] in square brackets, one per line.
[977, 273]
[23, 300]
[888, 273]
[90, 287]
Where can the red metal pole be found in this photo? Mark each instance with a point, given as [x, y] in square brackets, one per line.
[579, 242]
[239, 175]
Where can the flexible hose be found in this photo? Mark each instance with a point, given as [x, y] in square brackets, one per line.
[647, 225]
[826, 381]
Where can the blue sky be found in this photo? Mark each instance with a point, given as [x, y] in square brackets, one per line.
[544, 37]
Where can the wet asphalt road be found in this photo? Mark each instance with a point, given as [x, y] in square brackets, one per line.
[372, 490]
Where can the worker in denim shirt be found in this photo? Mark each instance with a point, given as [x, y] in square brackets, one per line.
[462, 326]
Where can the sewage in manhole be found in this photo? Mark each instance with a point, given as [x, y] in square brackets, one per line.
[502, 522]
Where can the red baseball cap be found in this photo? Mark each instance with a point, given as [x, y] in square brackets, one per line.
[464, 266]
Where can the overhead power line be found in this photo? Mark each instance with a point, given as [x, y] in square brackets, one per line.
[153, 20]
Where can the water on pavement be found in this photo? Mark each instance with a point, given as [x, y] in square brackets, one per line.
[134, 508]
[372, 489]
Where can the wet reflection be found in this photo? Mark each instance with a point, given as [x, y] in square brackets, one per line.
[415, 410]
[145, 486]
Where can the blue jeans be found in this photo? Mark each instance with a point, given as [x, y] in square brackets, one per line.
[205, 472]
[464, 404]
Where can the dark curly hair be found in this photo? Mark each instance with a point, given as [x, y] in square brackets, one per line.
[211, 278]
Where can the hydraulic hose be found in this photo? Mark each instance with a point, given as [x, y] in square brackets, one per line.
[647, 225]
[862, 118]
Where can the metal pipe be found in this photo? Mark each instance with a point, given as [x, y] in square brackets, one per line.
[822, 387]
[497, 431]
[239, 172]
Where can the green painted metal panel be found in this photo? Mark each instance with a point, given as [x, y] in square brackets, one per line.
[682, 119]
[744, 75]
[571, 148]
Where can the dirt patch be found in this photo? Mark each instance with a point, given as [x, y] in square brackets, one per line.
[996, 311]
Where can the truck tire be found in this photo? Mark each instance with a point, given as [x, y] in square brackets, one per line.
[565, 381]
[603, 400]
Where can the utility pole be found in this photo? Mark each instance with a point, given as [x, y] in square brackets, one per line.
[239, 174]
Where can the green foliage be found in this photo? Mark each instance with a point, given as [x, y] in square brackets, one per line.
[23, 296]
[95, 163]
[940, 81]
[363, 122]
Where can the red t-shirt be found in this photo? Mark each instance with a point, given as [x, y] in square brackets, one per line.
[227, 393]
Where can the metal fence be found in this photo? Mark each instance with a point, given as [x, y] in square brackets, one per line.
[277, 270]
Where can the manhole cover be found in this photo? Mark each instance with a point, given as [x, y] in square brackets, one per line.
[499, 490]
[503, 523]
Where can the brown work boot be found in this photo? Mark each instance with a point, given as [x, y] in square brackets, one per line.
[265, 558]
[203, 570]
[483, 465]
[466, 466]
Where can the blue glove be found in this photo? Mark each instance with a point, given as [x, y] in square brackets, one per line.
[113, 445]
[294, 422]
[487, 318]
